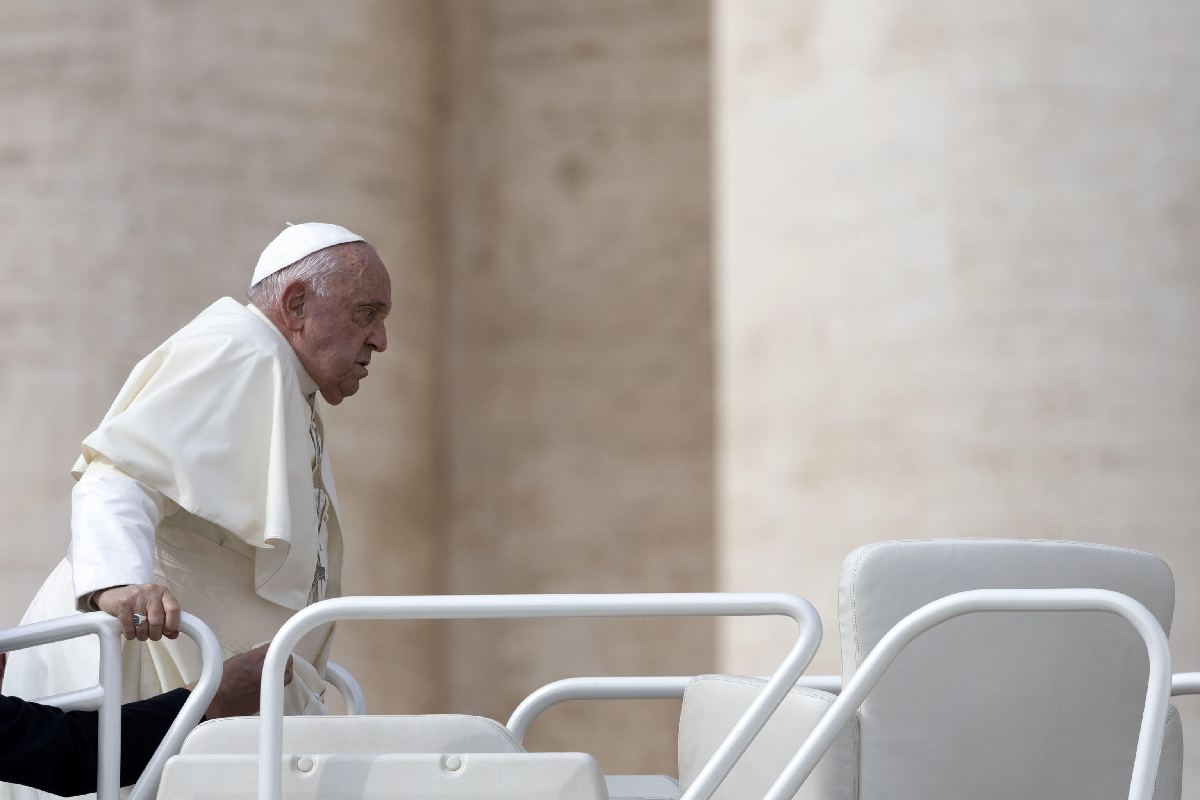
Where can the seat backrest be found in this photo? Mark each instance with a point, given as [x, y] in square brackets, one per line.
[1000, 705]
[367, 757]
[712, 704]
[361, 735]
[395, 776]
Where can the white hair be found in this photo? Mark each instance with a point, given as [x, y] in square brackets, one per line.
[314, 271]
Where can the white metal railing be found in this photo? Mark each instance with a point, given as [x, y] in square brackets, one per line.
[617, 688]
[189, 717]
[541, 606]
[622, 688]
[1185, 683]
[106, 695]
[672, 688]
[1158, 689]
[78, 700]
[341, 679]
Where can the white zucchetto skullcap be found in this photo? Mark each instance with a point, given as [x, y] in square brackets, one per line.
[298, 241]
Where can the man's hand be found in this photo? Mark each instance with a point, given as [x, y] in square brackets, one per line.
[239, 691]
[153, 602]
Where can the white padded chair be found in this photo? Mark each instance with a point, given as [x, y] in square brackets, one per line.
[990, 706]
[440, 756]
[362, 757]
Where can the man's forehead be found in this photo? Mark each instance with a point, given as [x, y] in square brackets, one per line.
[353, 255]
[364, 279]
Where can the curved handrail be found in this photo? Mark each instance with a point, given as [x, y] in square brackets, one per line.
[108, 700]
[644, 687]
[78, 700]
[618, 688]
[341, 679]
[211, 666]
[639, 687]
[108, 691]
[540, 606]
[1158, 688]
[1185, 683]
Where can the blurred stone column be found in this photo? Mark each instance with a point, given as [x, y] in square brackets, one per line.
[577, 430]
[958, 283]
[148, 152]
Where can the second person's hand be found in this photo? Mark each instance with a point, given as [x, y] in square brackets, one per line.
[238, 694]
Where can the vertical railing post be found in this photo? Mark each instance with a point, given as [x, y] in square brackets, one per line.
[108, 774]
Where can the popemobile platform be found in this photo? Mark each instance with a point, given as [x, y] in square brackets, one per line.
[971, 669]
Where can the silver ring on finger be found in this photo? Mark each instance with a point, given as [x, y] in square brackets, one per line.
[139, 619]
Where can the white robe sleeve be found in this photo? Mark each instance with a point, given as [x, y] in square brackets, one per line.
[113, 520]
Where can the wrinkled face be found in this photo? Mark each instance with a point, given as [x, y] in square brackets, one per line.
[343, 329]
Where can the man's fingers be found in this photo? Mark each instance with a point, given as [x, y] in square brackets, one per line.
[157, 610]
[155, 617]
[142, 631]
[125, 615]
[171, 608]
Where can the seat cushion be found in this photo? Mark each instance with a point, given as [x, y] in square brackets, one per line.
[1010, 704]
[712, 705]
[429, 733]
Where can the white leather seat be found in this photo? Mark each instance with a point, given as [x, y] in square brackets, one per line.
[1010, 705]
[364, 735]
[399, 776]
[335, 746]
[446, 734]
[448, 756]
[990, 706]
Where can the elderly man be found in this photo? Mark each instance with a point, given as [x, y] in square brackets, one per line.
[207, 487]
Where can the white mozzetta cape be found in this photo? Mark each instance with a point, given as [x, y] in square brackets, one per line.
[217, 419]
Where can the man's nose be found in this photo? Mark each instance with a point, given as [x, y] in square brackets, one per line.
[378, 339]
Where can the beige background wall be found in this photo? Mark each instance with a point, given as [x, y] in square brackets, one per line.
[577, 418]
[687, 296]
[958, 288]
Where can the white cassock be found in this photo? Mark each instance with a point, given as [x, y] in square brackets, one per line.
[208, 475]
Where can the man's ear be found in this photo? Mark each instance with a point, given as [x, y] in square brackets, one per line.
[292, 305]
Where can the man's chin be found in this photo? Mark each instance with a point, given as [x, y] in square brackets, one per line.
[332, 398]
[341, 391]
